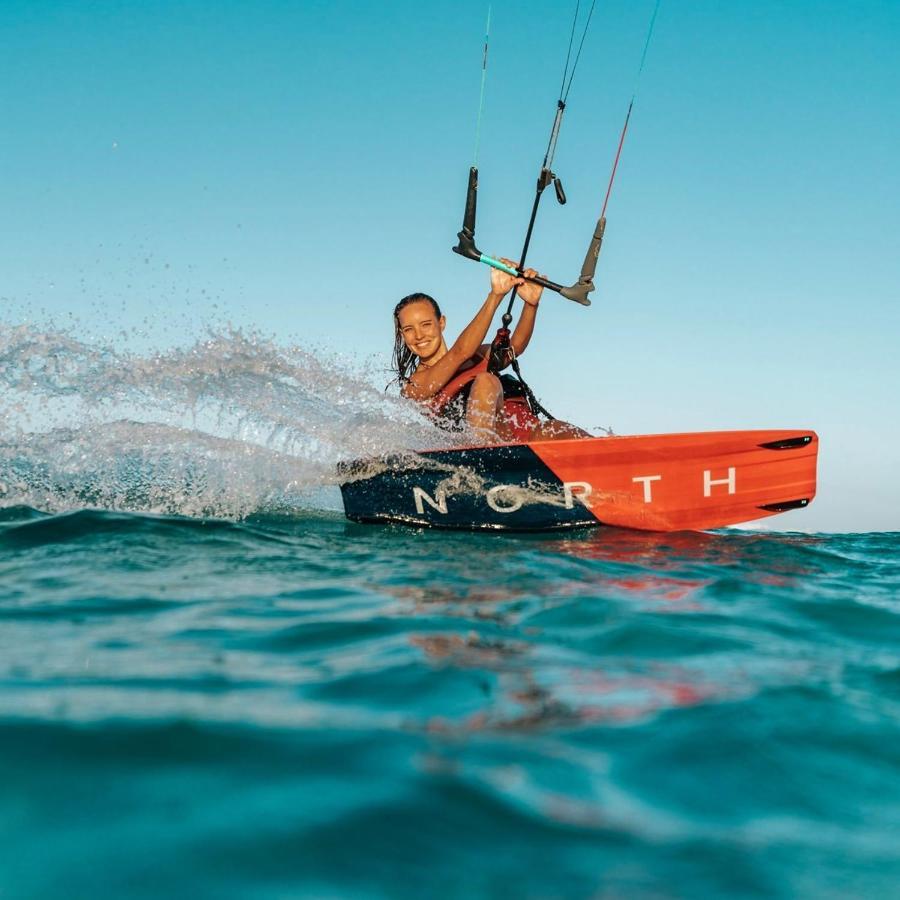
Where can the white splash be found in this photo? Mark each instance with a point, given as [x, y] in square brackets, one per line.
[232, 425]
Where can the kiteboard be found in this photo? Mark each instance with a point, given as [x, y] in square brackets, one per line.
[662, 482]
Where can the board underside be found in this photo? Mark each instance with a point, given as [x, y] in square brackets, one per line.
[667, 482]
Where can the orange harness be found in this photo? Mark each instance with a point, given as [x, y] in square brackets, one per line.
[442, 398]
[518, 414]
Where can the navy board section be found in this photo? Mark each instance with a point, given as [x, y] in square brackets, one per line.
[483, 488]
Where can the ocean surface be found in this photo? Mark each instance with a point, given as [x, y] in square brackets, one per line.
[213, 685]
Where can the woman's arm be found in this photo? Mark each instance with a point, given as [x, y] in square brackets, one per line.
[426, 381]
[531, 297]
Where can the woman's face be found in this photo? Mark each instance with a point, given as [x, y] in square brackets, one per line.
[421, 330]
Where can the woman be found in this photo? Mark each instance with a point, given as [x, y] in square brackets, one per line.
[454, 382]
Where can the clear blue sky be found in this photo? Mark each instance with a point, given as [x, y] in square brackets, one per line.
[297, 167]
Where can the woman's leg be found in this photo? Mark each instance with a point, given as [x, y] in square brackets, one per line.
[485, 416]
[484, 406]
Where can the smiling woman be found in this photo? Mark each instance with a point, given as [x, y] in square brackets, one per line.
[459, 385]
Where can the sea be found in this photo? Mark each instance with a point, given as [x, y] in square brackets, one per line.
[212, 685]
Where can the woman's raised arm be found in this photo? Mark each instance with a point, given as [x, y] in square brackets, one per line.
[531, 297]
[426, 381]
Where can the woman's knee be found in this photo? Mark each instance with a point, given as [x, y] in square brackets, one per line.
[487, 383]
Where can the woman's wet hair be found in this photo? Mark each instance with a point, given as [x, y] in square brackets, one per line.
[404, 360]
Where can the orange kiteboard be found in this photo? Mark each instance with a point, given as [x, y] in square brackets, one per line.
[666, 482]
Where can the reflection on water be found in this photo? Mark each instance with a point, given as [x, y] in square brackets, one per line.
[619, 575]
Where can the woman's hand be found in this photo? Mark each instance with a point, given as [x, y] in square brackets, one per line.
[529, 291]
[502, 282]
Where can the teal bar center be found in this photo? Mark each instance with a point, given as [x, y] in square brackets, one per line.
[495, 263]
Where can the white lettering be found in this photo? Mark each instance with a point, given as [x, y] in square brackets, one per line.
[492, 497]
[438, 502]
[648, 495]
[584, 491]
[709, 481]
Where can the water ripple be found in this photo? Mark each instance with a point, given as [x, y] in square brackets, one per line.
[298, 705]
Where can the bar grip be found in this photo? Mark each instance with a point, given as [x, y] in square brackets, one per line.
[512, 270]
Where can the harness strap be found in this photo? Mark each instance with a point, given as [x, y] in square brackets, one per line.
[502, 351]
[532, 401]
[440, 400]
[501, 347]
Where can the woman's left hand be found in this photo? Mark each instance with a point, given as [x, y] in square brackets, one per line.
[502, 282]
[529, 291]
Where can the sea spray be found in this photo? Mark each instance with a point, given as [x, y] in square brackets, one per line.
[230, 425]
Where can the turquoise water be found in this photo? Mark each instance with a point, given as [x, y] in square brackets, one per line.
[300, 706]
[215, 686]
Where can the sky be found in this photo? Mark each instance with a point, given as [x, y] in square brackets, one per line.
[298, 167]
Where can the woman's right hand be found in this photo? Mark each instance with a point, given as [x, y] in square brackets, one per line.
[502, 282]
[529, 291]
